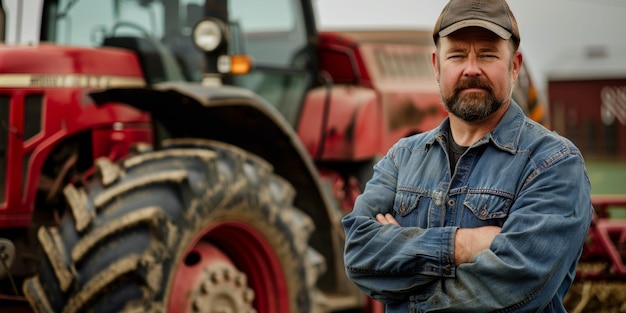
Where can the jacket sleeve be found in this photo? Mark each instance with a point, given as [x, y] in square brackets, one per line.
[389, 262]
[537, 250]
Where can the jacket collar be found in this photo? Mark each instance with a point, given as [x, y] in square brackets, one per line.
[505, 136]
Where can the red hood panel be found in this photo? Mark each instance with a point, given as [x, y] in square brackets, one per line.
[54, 59]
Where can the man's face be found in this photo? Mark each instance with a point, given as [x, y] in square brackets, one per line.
[476, 71]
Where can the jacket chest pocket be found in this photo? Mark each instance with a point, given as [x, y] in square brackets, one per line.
[485, 209]
[407, 206]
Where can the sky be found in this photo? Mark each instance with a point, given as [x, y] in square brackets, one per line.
[556, 34]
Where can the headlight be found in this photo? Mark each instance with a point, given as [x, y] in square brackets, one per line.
[209, 34]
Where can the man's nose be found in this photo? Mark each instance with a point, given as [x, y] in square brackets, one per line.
[472, 67]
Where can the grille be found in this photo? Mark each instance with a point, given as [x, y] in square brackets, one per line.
[403, 63]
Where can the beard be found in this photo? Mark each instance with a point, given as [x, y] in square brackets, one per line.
[475, 106]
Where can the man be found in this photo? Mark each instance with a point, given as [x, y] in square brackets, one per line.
[486, 213]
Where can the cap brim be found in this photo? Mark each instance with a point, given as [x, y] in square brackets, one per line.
[498, 30]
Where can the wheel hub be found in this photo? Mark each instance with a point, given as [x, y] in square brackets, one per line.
[223, 290]
[208, 282]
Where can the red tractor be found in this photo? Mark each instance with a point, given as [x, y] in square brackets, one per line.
[196, 155]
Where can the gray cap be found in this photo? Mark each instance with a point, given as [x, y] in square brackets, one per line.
[494, 15]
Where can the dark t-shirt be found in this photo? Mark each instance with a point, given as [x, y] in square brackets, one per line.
[454, 152]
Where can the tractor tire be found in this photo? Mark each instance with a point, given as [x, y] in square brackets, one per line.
[199, 226]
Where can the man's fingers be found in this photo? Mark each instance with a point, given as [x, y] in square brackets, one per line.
[391, 219]
[386, 219]
[381, 219]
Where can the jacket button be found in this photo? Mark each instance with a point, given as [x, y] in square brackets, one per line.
[446, 270]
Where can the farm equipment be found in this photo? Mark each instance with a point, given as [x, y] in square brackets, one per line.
[600, 284]
[197, 156]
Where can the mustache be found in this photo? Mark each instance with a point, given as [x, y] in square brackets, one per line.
[473, 82]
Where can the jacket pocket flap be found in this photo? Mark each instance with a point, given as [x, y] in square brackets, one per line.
[488, 206]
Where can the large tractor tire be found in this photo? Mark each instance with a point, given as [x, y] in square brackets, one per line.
[199, 226]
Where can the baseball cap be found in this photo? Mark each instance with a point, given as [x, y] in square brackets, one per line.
[494, 15]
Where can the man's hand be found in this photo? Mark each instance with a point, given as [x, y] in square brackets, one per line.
[469, 241]
[386, 219]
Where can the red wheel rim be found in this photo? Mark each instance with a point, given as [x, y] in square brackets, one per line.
[241, 246]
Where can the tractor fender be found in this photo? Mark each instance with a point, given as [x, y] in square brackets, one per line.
[242, 118]
[342, 123]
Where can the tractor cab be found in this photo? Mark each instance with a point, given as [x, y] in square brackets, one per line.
[270, 42]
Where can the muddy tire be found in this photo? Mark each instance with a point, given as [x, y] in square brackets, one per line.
[199, 226]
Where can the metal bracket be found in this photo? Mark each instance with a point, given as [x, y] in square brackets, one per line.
[7, 255]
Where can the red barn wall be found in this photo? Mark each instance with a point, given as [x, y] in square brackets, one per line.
[591, 113]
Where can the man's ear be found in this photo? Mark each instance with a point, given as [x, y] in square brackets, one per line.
[433, 60]
[517, 64]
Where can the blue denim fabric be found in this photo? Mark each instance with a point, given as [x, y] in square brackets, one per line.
[521, 177]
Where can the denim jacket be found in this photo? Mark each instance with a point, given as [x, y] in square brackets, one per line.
[521, 177]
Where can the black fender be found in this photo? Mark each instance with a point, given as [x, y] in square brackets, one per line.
[244, 119]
